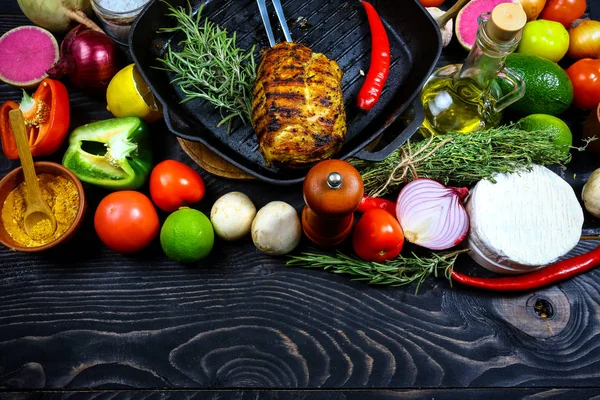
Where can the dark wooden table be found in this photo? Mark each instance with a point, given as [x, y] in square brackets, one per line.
[82, 321]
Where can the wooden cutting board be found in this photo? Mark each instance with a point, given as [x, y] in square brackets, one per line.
[211, 162]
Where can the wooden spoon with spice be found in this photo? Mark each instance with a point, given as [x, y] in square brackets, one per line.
[39, 222]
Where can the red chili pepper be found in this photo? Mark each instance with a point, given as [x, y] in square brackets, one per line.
[553, 273]
[380, 61]
[368, 203]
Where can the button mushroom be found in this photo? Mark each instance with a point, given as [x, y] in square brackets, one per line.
[232, 215]
[276, 229]
[591, 194]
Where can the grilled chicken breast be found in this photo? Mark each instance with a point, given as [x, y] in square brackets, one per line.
[298, 106]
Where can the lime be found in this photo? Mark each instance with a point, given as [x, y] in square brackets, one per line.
[128, 95]
[187, 235]
[548, 123]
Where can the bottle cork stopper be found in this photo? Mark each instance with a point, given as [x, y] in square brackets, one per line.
[506, 21]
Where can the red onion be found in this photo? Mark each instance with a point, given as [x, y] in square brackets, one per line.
[432, 215]
[88, 57]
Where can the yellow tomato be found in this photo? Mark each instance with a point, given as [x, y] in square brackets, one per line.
[546, 39]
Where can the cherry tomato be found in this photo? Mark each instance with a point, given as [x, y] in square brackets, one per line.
[585, 76]
[126, 221]
[431, 3]
[174, 184]
[563, 11]
[377, 236]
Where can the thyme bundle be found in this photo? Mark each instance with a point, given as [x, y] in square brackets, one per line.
[210, 66]
[462, 159]
[397, 272]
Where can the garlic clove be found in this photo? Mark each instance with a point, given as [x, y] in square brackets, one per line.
[447, 30]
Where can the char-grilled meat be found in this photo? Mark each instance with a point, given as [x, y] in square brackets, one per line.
[298, 106]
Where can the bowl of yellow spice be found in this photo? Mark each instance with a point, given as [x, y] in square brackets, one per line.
[62, 192]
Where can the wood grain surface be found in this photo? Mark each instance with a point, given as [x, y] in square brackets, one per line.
[437, 394]
[81, 321]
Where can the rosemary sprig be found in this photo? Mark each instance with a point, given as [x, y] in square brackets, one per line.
[397, 272]
[210, 66]
[462, 159]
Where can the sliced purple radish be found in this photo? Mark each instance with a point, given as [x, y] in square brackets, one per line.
[26, 53]
[467, 20]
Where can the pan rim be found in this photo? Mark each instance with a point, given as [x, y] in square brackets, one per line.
[389, 118]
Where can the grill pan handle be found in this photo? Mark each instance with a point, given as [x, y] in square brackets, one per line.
[399, 140]
[175, 123]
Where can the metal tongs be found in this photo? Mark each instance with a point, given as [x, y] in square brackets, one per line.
[264, 14]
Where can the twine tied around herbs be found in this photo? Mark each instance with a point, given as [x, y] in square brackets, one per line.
[463, 159]
[408, 163]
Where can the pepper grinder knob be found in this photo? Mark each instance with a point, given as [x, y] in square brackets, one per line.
[334, 180]
[332, 192]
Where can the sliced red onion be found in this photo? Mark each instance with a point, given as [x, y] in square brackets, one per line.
[432, 215]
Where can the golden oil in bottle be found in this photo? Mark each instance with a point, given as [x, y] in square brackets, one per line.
[464, 97]
[457, 105]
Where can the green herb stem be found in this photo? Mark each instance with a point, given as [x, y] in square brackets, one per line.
[210, 66]
[462, 159]
[397, 272]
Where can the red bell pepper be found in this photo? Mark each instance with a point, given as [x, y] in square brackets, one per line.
[46, 115]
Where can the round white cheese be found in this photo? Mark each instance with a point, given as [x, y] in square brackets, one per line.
[523, 221]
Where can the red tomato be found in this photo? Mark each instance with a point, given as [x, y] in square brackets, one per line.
[431, 3]
[563, 11]
[174, 184]
[585, 76]
[377, 236]
[126, 221]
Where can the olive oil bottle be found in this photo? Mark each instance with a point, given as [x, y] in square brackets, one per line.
[465, 97]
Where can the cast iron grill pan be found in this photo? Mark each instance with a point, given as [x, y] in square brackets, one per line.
[337, 28]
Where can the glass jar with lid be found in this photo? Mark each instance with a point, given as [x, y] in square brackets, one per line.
[116, 16]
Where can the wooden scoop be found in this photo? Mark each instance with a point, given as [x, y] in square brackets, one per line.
[443, 19]
[37, 209]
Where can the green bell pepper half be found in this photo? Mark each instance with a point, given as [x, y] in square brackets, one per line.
[125, 157]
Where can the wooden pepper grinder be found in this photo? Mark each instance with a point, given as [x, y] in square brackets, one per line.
[332, 191]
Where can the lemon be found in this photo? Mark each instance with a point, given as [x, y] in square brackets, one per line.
[563, 138]
[128, 95]
[187, 235]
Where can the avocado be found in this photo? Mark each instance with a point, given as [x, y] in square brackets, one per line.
[548, 89]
